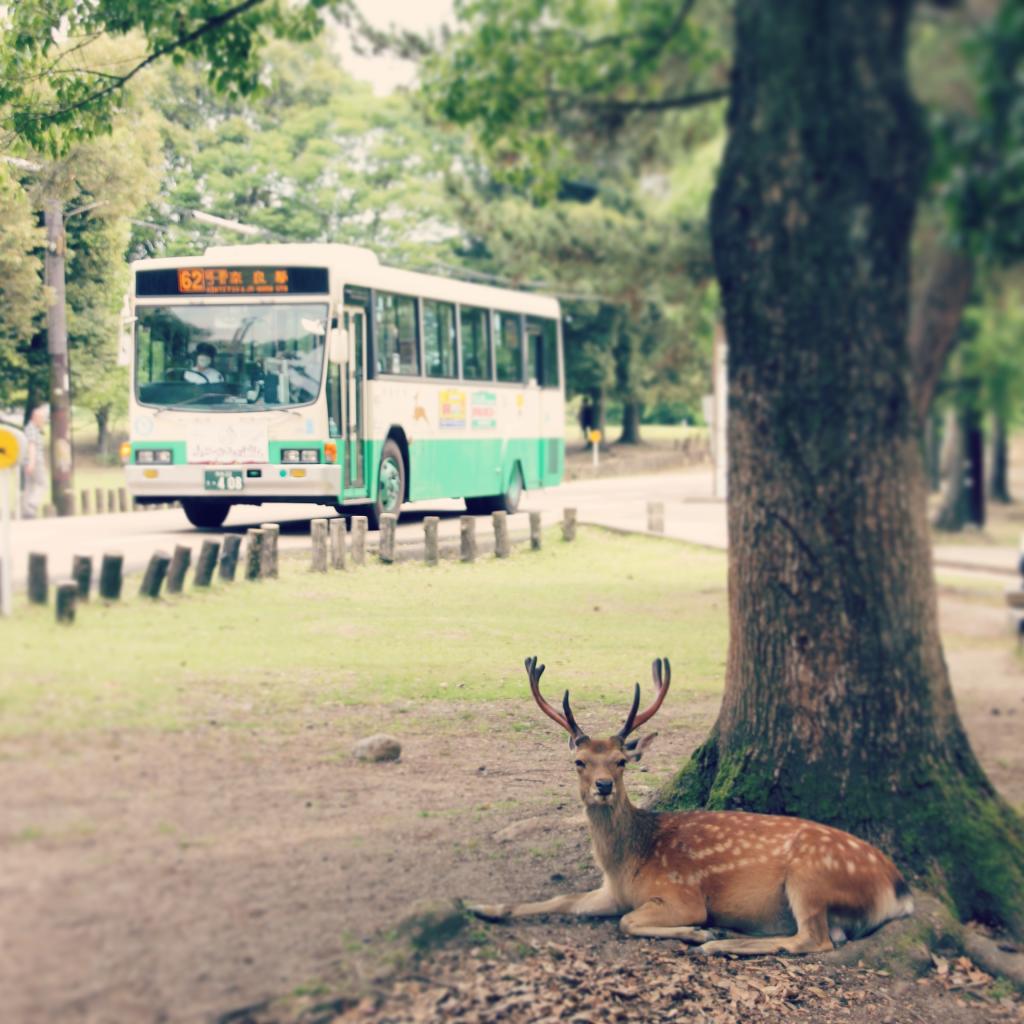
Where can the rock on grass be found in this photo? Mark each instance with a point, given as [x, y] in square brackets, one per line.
[378, 748]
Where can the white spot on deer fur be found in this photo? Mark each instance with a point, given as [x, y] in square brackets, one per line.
[664, 861]
[828, 861]
[675, 877]
[853, 843]
[850, 867]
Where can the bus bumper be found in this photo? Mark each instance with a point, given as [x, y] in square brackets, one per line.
[257, 482]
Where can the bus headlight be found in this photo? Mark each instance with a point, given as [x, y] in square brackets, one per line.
[145, 456]
[300, 454]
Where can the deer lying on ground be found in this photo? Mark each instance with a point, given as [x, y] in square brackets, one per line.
[796, 884]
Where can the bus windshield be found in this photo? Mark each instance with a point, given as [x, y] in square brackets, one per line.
[230, 357]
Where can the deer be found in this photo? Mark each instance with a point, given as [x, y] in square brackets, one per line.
[785, 884]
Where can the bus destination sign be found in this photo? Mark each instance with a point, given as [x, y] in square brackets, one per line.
[232, 281]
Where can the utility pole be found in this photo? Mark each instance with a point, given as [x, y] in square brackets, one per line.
[62, 482]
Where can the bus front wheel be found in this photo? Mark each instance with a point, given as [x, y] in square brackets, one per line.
[390, 484]
[207, 515]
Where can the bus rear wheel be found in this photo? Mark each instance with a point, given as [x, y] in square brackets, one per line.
[390, 484]
[207, 515]
[507, 502]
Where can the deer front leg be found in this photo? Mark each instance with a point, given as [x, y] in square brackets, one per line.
[669, 918]
[597, 903]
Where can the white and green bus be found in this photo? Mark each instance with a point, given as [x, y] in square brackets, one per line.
[312, 373]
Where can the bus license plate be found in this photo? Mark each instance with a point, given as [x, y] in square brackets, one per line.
[224, 480]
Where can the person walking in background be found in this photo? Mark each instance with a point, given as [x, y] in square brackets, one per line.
[33, 466]
[586, 418]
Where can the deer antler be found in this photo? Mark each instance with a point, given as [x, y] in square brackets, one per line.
[566, 721]
[634, 721]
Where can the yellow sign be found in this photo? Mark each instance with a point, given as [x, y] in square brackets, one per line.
[594, 436]
[10, 448]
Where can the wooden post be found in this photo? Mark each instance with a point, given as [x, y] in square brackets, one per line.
[38, 581]
[110, 577]
[98, 491]
[388, 522]
[179, 566]
[656, 516]
[83, 504]
[501, 545]
[253, 553]
[153, 579]
[359, 540]
[318, 535]
[569, 524]
[81, 572]
[122, 500]
[336, 528]
[66, 595]
[205, 563]
[268, 567]
[229, 557]
[535, 531]
[430, 554]
[111, 500]
[467, 538]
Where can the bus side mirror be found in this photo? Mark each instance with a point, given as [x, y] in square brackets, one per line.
[339, 346]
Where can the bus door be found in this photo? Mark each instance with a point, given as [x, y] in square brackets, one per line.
[354, 389]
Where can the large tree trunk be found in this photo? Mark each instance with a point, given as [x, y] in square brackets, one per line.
[102, 415]
[953, 506]
[837, 701]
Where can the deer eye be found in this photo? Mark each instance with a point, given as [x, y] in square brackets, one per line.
[622, 763]
[580, 764]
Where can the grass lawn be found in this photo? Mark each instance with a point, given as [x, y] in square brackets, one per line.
[595, 611]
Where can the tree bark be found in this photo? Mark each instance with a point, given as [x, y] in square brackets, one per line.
[102, 415]
[953, 508]
[631, 412]
[62, 480]
[837, 702]
[999, 478]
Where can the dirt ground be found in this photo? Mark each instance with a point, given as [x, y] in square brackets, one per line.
[189, 876]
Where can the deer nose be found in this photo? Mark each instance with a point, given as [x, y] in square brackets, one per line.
[604, 787]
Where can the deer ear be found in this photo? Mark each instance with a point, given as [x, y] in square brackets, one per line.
[635, 748]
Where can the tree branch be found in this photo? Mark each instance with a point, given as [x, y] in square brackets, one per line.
[121, 80]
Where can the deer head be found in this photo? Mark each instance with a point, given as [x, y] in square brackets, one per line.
[600, 762]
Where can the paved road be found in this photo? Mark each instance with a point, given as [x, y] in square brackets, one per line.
[617, 502]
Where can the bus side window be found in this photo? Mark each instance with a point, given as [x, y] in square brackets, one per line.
[397, 344]
[543, 352]
[476, 349]
[507, 347]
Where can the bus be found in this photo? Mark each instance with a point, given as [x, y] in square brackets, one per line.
[313, 373]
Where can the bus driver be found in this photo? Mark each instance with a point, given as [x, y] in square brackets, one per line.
[203, 371]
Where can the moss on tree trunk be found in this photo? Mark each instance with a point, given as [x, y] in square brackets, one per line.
[837, 703]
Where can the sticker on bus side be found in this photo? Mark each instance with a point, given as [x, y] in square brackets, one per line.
[452, 409]
[483, 408]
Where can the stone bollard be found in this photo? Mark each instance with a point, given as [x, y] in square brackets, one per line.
[122, 500]
[655, 517]
[253, 553]
[336, 529]
[569, 524]
[388, 522]
[206, 563]
[502, 548]
[318, 534]
[467, 538]
[67, 593]
[359, 540]
[38, 579]
[535, 534]
[153, 579]
[229, 557]
[98, 491]
[430, 552]
[81, 573]
[180, 562]
[83, 503]
[110, 577]
[268, 564]
[111, 500]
